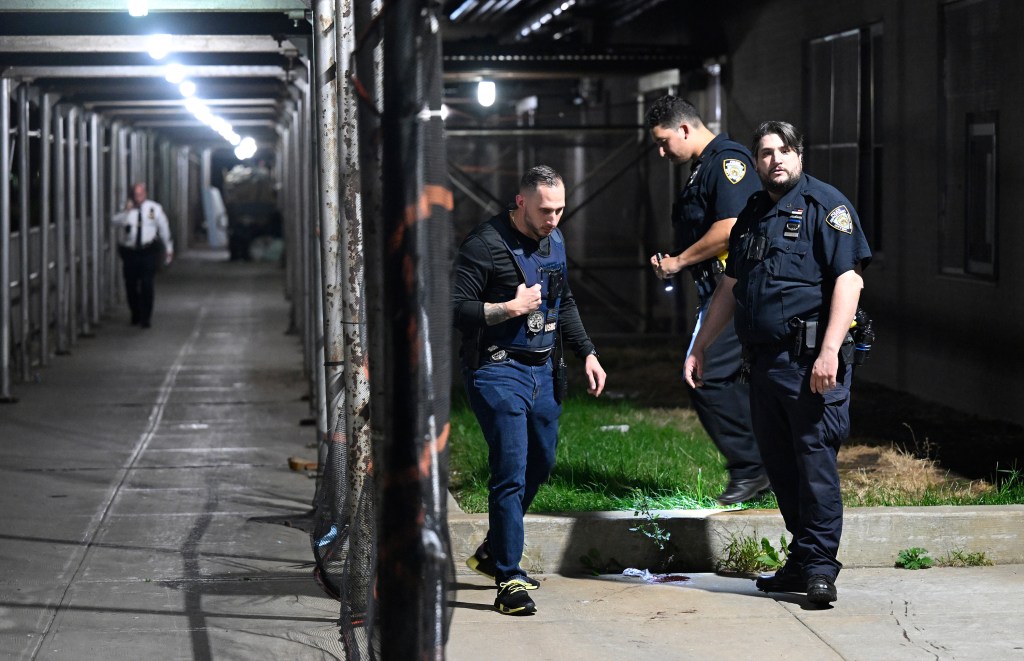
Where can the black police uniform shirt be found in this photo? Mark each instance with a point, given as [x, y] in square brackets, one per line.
[811, 236]
[485, 272]
[721, 181]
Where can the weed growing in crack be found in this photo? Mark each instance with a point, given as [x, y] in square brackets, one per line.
[914, 558]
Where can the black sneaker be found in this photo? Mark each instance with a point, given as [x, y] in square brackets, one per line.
[821, 590]
[789, 578]
[513, 599]
[482, 563]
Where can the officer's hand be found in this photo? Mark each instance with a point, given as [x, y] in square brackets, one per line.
[169, 257]
[595, 375]
[693, 369]
[527, 299]
[663, 265]
[823, 373]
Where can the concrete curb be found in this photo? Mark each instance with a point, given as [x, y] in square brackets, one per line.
[872, 536]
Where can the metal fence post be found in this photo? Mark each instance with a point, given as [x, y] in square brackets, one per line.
[25, 233]
[5, 241]
[60, 230]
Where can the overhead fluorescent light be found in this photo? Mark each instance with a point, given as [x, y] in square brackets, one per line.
[138, 7]
[158, 46]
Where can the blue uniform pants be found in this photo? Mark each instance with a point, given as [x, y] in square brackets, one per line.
[516, 408]
[800, 433]
[723, 404]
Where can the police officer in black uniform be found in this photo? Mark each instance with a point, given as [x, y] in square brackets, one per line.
[511, 300]
[721, 181]
[792, 282]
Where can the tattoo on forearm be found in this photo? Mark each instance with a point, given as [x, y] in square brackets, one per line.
[495, 313]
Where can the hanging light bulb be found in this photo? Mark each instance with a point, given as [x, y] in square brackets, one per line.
[486, 93]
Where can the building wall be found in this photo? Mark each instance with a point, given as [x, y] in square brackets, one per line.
[954, 339]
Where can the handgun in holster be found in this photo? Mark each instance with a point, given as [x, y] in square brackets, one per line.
[804, 334]
[805, 340]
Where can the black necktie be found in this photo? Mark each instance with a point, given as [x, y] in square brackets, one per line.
[138, 231]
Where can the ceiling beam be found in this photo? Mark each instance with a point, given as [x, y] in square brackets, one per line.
[169, 123]
[169, 103]
[183, 43]
[121, 6]
[145, 71]
[223, 111]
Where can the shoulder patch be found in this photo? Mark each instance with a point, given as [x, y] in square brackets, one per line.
[735, 170]
[840, 219]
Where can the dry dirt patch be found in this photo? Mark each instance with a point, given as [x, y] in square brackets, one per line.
[867, 471]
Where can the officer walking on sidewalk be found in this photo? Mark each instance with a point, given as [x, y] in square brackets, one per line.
[719, 186]
[512, 302]
[144, 230]
[792, 282]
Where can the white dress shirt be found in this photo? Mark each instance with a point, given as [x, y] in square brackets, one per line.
[154, 222]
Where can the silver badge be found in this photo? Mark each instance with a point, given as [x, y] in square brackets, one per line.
[535, 321]
[498, 355]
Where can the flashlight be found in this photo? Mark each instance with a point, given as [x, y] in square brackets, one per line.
[668, 283]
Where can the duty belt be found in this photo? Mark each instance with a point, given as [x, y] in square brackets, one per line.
[705, 277]
[533, 358]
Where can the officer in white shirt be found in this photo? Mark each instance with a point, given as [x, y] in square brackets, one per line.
[143, 235]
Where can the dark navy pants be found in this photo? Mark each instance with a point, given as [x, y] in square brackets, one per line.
[800, 433]
[723, 404]
[139, 270]
[516, 408]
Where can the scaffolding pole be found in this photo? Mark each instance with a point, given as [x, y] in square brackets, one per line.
[5, 241]
[414, 549]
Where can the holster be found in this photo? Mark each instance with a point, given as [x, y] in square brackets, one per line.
[847, 350]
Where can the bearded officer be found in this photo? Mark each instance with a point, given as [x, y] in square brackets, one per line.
[792, 283]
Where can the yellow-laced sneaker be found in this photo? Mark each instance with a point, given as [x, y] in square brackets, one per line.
[482, 562]
[513, 598]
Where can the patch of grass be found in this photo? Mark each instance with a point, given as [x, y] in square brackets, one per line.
[666, 456]
[962, 558]
[914, 558]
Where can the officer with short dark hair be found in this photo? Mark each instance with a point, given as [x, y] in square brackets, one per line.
[792, 283]
[512, 302]
[720, 183]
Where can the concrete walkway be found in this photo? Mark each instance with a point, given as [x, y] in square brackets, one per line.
[975, 613]
[133, 476]
[141, 476]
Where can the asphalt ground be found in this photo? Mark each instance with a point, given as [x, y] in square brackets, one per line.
[144, 477]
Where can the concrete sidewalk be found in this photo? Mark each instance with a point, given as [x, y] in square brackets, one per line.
[140, 477]
[134, 476]
[975, 613]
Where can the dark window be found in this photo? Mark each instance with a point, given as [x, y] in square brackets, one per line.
[844, 144]
[968, 214]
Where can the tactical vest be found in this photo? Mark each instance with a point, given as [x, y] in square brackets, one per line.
[536, 331]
